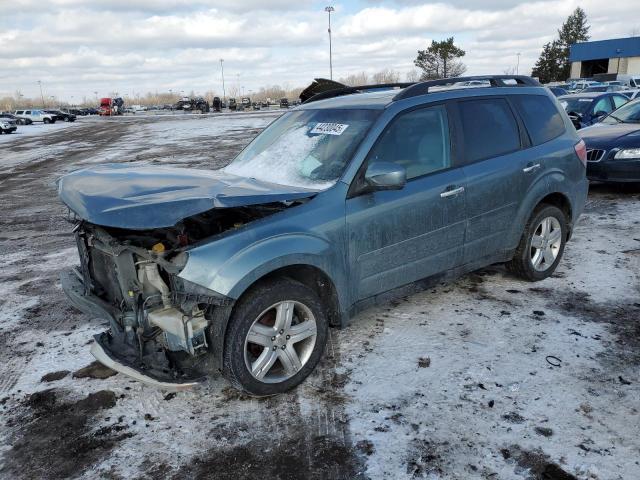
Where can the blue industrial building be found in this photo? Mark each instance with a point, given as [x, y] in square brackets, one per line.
[603, 58]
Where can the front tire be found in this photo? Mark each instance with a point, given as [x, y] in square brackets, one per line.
[542, 244]
[275, 338]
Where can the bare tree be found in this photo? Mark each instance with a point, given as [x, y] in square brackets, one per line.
[386, 76]
[412, 76]
[355, 79]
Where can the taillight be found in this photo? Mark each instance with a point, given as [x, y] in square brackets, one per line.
[581, 151]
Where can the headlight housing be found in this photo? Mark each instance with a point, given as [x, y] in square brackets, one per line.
[627, 154]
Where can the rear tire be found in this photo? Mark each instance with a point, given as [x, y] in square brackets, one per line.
[260, 357]
[46, 121]
[541, 245]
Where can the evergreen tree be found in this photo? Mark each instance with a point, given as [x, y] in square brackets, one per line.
[440, 60]
[553, 64]
[548, 66]
[574, 30]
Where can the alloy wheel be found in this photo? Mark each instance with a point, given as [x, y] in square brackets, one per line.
[280, 341]
[546, 243]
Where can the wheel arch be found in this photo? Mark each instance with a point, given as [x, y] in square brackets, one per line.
[310, 275]
[548, 196]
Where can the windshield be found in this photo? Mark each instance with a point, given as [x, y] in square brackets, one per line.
[576, 105]
[629, 113]
[304, 148]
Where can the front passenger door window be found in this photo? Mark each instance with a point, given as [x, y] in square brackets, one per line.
[603, 105]
[417, 140]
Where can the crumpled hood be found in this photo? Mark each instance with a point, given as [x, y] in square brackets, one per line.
[145, 197]
[605, 136]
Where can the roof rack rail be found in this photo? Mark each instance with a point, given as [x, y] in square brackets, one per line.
[422, 88]
[345, 90]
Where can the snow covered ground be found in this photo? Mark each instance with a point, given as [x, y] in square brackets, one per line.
[486, 378]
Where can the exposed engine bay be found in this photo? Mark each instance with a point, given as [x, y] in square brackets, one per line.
[159, 322]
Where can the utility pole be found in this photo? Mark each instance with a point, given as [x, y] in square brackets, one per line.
[330, 9]
[224, 94]
[518, 64]
[41, 95]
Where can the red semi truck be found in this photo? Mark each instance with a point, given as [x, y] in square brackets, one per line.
[111, 106]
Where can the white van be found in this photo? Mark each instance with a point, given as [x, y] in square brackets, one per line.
[632, 81]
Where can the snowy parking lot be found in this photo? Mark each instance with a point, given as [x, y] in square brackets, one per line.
[489, 377]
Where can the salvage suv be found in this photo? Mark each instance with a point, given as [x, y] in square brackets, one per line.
[357, 195]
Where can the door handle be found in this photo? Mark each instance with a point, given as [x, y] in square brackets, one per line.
[452, 192]
[531, 168]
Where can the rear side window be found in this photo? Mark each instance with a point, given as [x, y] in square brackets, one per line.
[489, 129]
[618, 101]
[540, 116]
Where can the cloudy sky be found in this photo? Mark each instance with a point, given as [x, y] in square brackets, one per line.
[78, 47]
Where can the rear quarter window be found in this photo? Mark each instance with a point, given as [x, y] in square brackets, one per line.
[540, 116]
[489, 129]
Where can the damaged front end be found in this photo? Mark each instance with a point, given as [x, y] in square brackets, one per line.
[158, 321]
[134, 227]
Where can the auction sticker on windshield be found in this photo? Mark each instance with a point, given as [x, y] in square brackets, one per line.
[330, 128]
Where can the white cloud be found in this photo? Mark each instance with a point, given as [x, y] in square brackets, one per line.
[77, 47]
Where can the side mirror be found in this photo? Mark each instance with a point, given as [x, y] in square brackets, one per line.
[385, 176]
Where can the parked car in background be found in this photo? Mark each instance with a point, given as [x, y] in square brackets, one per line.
[613, 146]
[36, 116]
[557, 91]
[8, 125]
[284, 103]
[233, 106]
[585, 109]
[63, 116]
[632, 81]
[579, 85]
[631, 94]
[19, 120]
[333, 205]
[603, 88]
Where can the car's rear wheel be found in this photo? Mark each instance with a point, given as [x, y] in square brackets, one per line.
[275, 337]
[46, 121]
[542, 244]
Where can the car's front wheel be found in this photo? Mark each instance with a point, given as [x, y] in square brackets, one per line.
[542, 244]
[275, 337]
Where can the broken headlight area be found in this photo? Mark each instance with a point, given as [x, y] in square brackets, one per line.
[159, 321]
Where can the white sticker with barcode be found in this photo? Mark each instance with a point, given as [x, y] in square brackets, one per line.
[330, 128]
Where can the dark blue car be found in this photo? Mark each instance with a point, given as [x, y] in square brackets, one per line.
[585, 109]
[613, 146]
[358, 194]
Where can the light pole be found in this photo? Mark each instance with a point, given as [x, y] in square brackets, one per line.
[518, 63]
[41, 95]
[330, 9]
[96, 94]
[224, 94]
